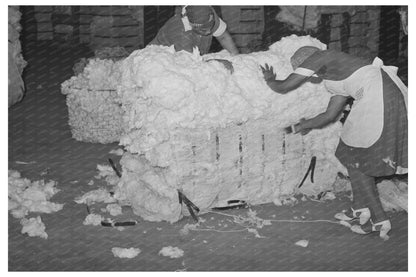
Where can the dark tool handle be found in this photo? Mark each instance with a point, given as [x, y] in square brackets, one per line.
[313, 164]
[106, 224]
[180, 196]
[125, 223]
[114, 168]
[231, 207]
[230, 202]
[189, 203]
[310, 168]
[184, 199]
[191, 206]
[192, 213]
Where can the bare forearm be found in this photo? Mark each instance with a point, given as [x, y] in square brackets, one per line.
[281, 86]
[335, 107]
[227, 43]
[316, 122]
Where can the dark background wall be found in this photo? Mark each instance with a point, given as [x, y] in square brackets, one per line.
[366, 31]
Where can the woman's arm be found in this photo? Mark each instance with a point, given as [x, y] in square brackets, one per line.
[335, 107]
[292, 82]
[227, 43]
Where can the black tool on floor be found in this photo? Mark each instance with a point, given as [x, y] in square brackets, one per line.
[322, 194]
[114, 167]
[232, 204]
[118, 224]
[191, 206]
[311, 169]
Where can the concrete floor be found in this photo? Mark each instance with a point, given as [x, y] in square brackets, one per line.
[38, 132]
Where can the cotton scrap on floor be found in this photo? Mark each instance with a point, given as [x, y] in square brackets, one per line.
[114, 209]
[172, 252]
[34, 227]
[125, 252]
[108, 173]
[302, 243]
[25, 196]
[93, 219]
[393, 195]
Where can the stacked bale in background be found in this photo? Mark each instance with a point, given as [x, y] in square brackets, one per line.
[245, 24]
[44, 24]
[352, 29]
[16, 61]
[94, 114]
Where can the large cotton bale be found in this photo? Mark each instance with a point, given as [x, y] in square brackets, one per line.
[192, 125]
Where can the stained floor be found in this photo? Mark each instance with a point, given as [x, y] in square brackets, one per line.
[38, 132]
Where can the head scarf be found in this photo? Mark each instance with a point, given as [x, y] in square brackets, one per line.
[200, 16]
[301, 55]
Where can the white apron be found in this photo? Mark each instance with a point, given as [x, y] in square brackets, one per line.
[364, 124]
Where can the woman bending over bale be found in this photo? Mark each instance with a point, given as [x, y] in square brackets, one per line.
[373, 141]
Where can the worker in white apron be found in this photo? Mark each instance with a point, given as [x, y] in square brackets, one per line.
[373, 141]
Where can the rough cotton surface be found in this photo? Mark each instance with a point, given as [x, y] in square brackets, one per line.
[97, 195]
[94, 114]
[194, 126]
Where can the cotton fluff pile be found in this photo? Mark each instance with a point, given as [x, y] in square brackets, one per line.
[16, 61]
[194, 126]
[393, 195]
[94, 114]
[26, 196]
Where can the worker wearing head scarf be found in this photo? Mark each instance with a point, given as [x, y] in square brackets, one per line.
[373, 141]
[194, 27]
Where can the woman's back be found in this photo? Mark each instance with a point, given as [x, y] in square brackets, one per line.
[334, 65]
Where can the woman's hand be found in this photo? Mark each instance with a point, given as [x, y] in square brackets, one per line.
[268, 73]
[299, 128]
[315, 80]
[227, 64]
